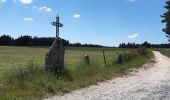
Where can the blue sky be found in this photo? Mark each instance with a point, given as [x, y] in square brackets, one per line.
[105, 22]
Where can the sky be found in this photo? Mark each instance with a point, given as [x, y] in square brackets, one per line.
[104, 22]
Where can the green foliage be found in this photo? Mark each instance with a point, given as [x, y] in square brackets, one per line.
[166, 19]
[143, 51]
[133, 54]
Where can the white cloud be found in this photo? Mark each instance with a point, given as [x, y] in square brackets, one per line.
[133, 36]
[44, 8]
[76, 16]
[28, 19]
[24, 1]
[132, 0]
[2, 1]
[21, 1]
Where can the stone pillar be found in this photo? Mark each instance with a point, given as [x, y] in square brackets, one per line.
[120, 59]
[54, 60]
[86, 60]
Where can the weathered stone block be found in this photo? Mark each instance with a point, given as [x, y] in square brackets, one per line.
[86, 60]
[54, 60]
[120, 59]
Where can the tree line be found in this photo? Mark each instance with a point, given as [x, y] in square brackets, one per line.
[26, 40]
[145, 44]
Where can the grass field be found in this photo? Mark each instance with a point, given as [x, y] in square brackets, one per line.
[165, 52]
[22, 80]
[14, 57]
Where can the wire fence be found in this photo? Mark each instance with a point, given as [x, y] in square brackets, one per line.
[76, 58]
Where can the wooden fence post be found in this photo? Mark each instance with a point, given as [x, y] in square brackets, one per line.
[104, 58]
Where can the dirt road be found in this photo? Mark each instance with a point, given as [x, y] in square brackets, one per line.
[147, 84]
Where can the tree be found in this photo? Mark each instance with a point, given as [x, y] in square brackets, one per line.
[6, 40]
[24, 41]
[166, 19]
[146, 44]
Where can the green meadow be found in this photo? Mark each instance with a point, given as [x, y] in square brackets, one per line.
[14, 57]
[22, 74]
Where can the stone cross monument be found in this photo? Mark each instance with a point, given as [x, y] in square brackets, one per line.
[57, 24]
[54, 60]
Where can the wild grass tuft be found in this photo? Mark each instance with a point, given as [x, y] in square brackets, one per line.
[165, 52]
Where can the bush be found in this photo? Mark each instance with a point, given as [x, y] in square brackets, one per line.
[144, 51]
[133, 54]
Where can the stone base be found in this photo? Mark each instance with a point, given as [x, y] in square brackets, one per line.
[54, 60]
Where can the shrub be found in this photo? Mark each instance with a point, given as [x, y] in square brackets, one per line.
[144, 51]
[133, 54]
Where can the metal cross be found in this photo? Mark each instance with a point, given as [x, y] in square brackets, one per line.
[58, 25]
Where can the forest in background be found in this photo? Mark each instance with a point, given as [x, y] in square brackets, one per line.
[26, 40]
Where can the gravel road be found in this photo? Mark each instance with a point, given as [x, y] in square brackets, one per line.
[151, 82]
